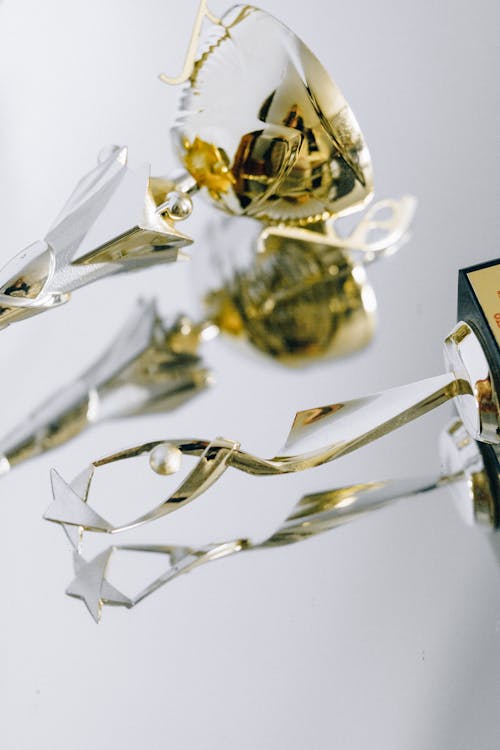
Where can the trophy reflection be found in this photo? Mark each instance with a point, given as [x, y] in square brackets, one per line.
[470, 448]
[286, 152]
[149, 367]
[296, 294]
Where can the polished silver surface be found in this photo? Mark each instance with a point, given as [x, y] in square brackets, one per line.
[352, 424]
[466, 358]
[349, 425]
[109, 225]
[475, 497]
[313, 514]
[149, 367]
[382, 230]
[318, 436]
[90, 585]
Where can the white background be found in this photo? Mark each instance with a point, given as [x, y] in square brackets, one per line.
[383, 634]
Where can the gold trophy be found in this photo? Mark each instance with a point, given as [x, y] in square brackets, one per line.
[283, 155]
[285, 158]
[284, 149]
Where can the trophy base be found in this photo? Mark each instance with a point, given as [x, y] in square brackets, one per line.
[478, 497]
[487, 504]
[479, 306]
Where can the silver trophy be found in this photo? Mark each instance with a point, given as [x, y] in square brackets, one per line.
[111, 224]
[149, 367]
[470, 449]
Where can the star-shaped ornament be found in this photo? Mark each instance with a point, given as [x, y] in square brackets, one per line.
[70, 508]
[91, 586]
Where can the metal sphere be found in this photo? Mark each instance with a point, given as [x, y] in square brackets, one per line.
[165, 459]
[178, 205]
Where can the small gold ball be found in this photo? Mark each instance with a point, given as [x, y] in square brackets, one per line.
[165, 459]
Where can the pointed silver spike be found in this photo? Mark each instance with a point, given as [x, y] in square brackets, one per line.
[149, 367]
[109, 225]
[348, 425]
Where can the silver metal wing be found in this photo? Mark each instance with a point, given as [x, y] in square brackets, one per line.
[109, 225]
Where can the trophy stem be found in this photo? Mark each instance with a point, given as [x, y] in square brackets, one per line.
[322, 511]
[338, 429]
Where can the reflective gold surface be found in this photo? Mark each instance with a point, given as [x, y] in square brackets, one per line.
[486, 285]
[187, 70]
[466, 357]
[299, 300]
[269, 135]
[317, 437]
[299, 294]
[485, 505]
[313, 514]
[209, 166]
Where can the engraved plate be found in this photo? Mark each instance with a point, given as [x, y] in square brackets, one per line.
[486, 285]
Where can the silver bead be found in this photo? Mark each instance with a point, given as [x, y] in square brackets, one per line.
[177, 205]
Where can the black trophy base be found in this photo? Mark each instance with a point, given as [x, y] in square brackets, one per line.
[491, 461]
[479, 306]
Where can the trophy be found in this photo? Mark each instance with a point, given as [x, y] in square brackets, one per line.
[284, 158]
[287, 160]
[286, 152]
[149, 367]
[283, 154]
[111, 224]
[300, 297]
[470, 451]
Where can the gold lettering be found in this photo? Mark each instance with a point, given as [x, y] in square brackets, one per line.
[203, 12]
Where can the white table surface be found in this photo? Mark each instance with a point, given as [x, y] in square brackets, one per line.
[384, 634]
